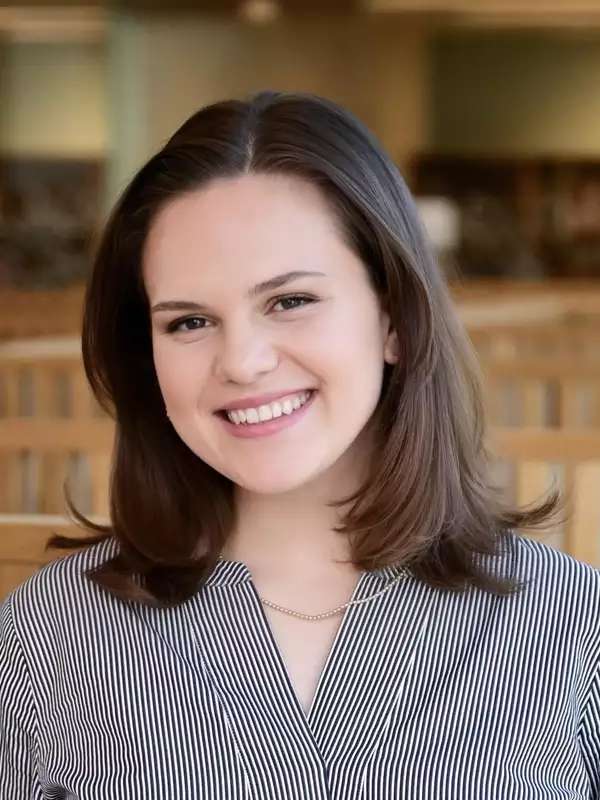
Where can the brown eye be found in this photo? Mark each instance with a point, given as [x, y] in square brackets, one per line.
[293, 298]
[176, 324]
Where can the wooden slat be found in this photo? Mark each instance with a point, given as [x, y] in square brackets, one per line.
[23, 536]
[533, 403]
[546, 444]
[53, 473]
[11, 498]
[80, 394]
[56, 434]
[11, 391]
[43, 388]
[570, 397]
[583, 533]
[533, 481]
[22, 545]
[542, 368]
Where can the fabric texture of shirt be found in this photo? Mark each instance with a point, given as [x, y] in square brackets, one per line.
[426, 694]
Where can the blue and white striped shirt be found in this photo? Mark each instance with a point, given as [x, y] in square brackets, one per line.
[426, 694]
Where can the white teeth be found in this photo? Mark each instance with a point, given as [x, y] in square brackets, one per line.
[264, 413]
[268, 411]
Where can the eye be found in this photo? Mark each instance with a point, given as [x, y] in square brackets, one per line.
[174, 326]
[304, 299]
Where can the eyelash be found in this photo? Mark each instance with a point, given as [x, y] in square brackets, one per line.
[172, 326]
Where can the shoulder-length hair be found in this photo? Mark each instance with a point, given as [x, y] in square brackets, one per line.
[429, 502]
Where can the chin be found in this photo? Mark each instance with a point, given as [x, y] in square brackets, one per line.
[277, 481]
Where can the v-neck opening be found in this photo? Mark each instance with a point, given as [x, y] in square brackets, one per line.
[358, 689]
[307, 717]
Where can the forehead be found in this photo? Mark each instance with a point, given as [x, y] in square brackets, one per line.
[248, 205]
[260, 222]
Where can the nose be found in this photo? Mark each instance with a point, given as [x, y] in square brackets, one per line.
[244, 355]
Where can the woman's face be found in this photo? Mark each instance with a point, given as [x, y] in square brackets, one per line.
[323, 331]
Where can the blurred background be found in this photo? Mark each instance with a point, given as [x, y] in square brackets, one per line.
[490, 108]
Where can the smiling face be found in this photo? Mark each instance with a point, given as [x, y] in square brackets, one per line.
[322, 331]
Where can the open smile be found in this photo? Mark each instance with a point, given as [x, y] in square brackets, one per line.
[245, 430]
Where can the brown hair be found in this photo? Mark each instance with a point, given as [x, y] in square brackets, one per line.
[428, 503]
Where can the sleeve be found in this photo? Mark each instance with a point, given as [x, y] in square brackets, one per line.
[18, 778]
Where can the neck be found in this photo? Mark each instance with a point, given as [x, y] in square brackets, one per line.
[291, 533]
[273, 534]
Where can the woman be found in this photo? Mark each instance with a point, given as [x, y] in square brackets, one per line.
[309, 587]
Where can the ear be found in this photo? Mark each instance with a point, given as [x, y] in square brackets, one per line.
[391, 349]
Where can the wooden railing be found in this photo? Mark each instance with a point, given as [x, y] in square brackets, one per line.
[533, 460]
[542, 385]
[51, 431]
[37, 457]
[542, 392]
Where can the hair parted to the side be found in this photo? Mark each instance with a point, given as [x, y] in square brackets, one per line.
[429, 502]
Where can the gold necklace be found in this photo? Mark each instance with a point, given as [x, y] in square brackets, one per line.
[403, 574]
[337, 610]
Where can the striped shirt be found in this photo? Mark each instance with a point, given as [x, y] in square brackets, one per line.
[426, 693]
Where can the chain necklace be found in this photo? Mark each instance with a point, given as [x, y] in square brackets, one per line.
[337, 610]
[403, 574]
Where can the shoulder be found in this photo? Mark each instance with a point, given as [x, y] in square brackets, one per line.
[49, 595]
[557, 589]
[546, 569]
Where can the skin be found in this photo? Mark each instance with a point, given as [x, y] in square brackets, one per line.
[210, 247]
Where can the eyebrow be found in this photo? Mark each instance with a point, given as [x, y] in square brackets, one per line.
[265, 286]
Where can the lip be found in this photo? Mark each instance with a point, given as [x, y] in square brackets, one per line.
[269, 427]
[259, 400]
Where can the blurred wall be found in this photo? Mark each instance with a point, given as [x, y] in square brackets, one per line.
[53, 99]
[520, 93]
[163, 69]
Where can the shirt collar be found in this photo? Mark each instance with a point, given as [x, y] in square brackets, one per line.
[232, 573]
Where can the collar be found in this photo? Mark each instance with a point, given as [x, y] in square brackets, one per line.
[232, 573]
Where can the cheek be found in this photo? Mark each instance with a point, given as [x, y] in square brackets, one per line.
[176, 378]
[356, 334]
